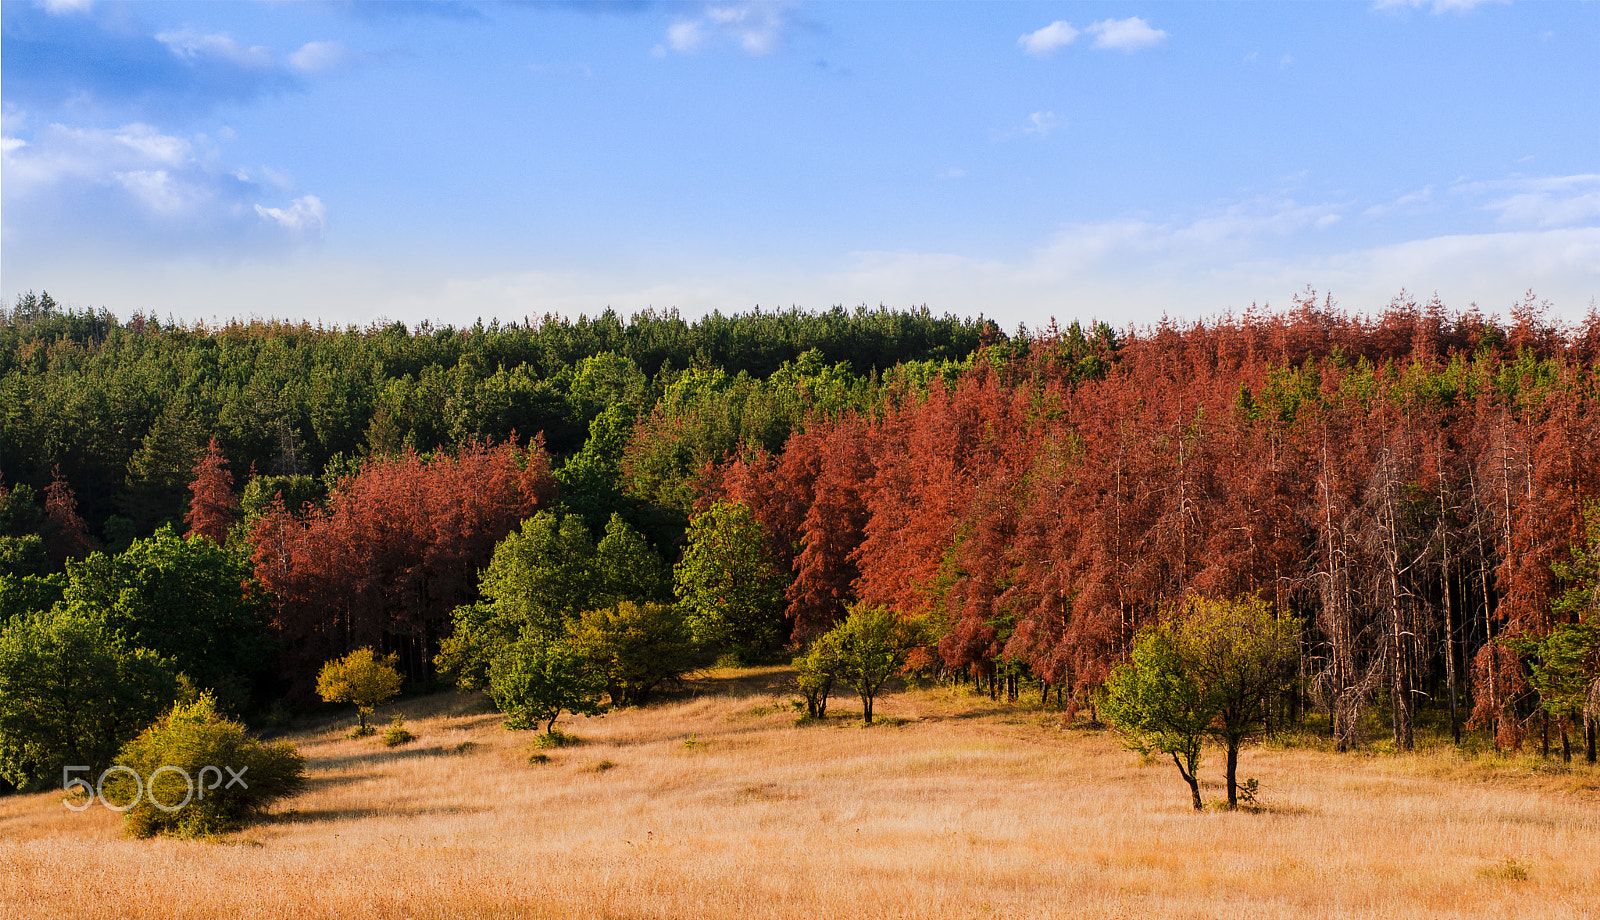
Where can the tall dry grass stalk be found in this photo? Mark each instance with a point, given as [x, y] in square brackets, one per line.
[966, 809]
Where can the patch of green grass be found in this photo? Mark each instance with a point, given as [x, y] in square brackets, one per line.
[1507, 869]
[555, 738]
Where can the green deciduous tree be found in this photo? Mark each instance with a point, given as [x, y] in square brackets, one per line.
[815, 673]
[538, 678]
[627, 569]
[188, 600]
[635, 647]
[1212, 671]
[1242, 655]
[360, 678]
[871, 646]
[72, 692]
[542, 573]
[1158, 706]
[731, 592]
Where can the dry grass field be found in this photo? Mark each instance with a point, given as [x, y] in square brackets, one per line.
[715, 804]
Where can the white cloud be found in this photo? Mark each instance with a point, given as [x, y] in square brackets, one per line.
[59, 153]
[685, 37]
[191, 45]
[1040, 123]
[59, 7]
[1409, 203]
[1048, 40]
[1121, 271]
[1435, 6]
[319, 57]
[1127, 35]
[1547, 201]
[311, 59]
[139, 187]
[754, 28]
[307, 213]
[157, 190]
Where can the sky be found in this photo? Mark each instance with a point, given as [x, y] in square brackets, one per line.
[358, 162]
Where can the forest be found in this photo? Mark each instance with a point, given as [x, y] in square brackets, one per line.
[231, 508]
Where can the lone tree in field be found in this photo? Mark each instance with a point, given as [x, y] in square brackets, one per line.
[1157, 704]
[872, 645]
[1210, 672]
[815, 673]
[1242, 655]
[361, 678]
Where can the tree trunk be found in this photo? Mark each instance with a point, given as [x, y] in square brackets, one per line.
[1449, 617]
[1192, 780]
[1233, 774]
[866, 709]
[1589, 739]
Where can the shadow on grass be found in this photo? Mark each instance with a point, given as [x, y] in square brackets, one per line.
[313, 815]
[384, 755]
[739, 683]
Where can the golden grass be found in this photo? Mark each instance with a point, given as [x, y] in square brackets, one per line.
[961, 808]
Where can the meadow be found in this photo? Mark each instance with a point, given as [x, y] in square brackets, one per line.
[715, 803]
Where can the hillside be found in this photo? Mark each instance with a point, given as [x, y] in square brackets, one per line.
[716, 805]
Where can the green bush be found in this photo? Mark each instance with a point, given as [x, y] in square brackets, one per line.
[398, 734]
[201, 774]
[636, 647]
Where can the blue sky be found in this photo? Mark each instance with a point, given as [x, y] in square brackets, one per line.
[351, 161]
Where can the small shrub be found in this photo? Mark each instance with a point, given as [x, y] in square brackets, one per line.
[693, 742]
[555, 738]
[537, 758]
[361, 731]
[201, 774]
[397, 734]
[1509, 869]
[1248, 791]
[601, 766]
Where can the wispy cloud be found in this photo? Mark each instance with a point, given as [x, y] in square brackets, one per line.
[191, 46]
[304, 214]
[757, 28]
[1048, 40]
[103, 66]
[1126, 35]
[320, 57]
[1435, 6]
[1040, 123]
[138, 186]
[59, 7]
[1546, 201]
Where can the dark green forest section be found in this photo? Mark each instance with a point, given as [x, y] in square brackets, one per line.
[120, 410]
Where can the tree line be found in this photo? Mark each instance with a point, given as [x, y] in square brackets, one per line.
[528, 510]
[1421, 490]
